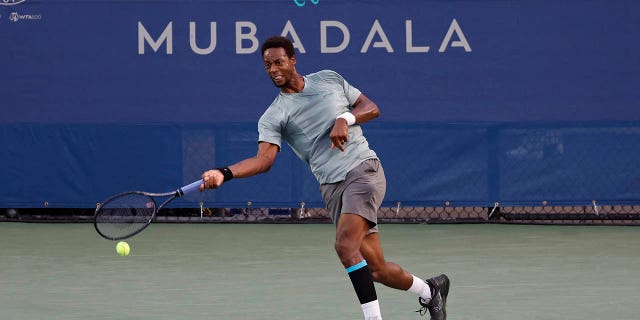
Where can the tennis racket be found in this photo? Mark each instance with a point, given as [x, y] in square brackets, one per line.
[126, 214]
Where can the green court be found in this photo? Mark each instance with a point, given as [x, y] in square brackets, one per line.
[281, 271]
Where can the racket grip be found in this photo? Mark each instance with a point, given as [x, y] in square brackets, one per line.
[191, 187]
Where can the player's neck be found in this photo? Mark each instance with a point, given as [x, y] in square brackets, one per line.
[296, 85]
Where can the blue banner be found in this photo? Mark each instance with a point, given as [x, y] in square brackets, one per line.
[100, 97]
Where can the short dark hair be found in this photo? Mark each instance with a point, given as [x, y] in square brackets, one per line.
[279, 42]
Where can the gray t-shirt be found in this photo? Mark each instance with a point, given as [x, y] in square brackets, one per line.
[305, 119]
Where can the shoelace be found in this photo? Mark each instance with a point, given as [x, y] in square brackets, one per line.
[423, 310]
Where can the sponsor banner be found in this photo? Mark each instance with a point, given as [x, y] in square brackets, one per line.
[199, 61]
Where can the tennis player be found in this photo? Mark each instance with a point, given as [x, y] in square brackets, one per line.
[319, 116]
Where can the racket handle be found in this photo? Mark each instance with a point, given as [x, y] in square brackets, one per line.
[191, 187]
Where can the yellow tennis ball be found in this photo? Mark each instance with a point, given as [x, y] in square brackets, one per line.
[122, 248]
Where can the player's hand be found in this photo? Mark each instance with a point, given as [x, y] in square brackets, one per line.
[339, 134]
[211, 179]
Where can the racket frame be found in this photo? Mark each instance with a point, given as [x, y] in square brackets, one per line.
[172, 195]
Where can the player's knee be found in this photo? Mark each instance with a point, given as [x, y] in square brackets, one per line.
[346, 250]
[342, 248]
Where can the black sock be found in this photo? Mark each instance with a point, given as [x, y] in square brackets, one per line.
[362, 281]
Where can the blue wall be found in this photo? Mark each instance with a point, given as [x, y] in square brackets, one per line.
[482, 101]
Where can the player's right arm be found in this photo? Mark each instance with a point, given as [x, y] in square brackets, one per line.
[261, 163]
[363, 110]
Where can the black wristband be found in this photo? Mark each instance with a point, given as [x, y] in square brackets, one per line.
[226, 172]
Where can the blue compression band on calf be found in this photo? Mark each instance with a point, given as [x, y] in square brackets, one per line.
[362, 281]
[355, 267]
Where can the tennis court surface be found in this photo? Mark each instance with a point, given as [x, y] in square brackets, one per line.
[283, 271]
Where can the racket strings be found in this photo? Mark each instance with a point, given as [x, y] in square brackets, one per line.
[124, 215]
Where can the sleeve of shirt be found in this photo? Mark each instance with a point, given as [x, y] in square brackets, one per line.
[270, 127]
[350, 92]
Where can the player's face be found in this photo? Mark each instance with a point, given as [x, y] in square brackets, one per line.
[280, 68]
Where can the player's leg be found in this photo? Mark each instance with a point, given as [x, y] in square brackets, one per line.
[385, 272]
[350, 231]
[432, 293]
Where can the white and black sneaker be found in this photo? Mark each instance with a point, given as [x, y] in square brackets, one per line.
[437, 304]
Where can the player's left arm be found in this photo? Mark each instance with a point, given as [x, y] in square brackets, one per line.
[363, 110]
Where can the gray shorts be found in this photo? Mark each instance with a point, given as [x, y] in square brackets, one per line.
[360, 193]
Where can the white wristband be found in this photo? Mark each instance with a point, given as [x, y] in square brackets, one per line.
[351, 119]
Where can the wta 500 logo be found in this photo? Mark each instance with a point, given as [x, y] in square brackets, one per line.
[15, 17]
[11, 2]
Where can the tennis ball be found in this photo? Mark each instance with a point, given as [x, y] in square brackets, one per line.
[122, 248]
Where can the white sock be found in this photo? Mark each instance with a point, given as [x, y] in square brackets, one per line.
[371, 310]
[421, 288]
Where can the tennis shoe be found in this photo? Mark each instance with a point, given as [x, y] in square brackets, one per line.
[437, 304]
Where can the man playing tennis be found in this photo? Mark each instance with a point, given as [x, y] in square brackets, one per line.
[319, 116]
